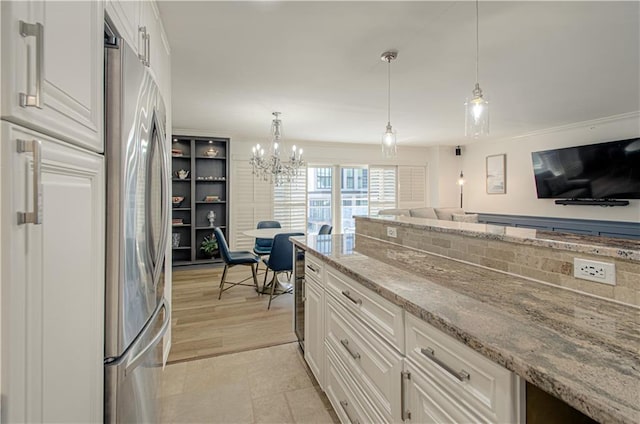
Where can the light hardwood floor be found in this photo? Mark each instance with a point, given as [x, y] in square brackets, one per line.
[203, 326]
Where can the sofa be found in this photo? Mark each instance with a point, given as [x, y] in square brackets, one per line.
[447, 214]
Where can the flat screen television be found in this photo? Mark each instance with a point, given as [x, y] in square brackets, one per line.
[595, 171]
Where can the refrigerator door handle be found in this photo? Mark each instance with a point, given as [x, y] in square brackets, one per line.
[164, 232]
[136, 360]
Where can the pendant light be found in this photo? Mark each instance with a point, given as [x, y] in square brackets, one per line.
[477, 108]
[389, 145]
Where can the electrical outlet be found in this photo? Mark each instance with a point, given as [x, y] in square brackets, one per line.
[392, 232]
[600, 272]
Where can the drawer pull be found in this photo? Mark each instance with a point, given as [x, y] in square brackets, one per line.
[313, 269]
[344, 405]
[406, 414]
[461, 375]
[345, 343]
[348, 296]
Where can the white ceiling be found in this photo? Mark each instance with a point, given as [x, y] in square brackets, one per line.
[542, 65]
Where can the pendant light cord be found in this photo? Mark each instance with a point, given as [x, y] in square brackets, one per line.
[389, 91]
[477, 41]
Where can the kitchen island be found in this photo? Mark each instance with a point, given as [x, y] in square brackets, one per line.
[578, 348]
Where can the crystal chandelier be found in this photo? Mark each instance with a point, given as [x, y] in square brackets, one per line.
[273, 167]
[477, 108]
[389, 144]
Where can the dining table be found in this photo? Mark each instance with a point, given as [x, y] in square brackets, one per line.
[269, 233]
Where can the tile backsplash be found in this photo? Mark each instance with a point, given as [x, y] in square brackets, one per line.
[541, 263]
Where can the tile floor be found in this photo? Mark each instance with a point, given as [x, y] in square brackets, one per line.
[270, 385]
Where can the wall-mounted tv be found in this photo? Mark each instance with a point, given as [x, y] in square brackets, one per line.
[595, 171]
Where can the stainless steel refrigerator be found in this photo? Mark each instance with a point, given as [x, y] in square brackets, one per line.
[136, 313]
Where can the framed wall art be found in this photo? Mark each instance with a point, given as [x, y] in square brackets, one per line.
[496, 174]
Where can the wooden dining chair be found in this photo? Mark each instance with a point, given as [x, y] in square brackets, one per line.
[280, 260]
[233, 258]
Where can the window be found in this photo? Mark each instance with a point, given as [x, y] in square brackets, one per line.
[319, 186]
[354, 196]
[323, 178]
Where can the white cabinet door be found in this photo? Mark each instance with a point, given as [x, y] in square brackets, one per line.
[52, 68]
[52, 282]
[314, 329]
[158, 46]
[125, 16]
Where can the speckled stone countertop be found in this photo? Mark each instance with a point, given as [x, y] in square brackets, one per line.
[602, 246]
[581, 349]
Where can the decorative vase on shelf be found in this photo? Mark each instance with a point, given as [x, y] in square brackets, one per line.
[211, 216]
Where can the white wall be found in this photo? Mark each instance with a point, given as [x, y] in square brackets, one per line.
[520, 198]
[444, 172]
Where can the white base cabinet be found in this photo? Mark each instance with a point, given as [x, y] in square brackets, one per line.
[314, 353]
[367, 376]
[52, 281]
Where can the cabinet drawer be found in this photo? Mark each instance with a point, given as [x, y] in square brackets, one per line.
[314, 269]
[477, 382]
[346, 399]
[428, 402]
[385, 318]
[371, 361]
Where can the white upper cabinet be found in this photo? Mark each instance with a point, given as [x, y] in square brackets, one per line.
[52, 68]
[125, 16]
[139, 24]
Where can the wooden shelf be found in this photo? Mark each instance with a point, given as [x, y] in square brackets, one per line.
[196, 161]
[210, 228]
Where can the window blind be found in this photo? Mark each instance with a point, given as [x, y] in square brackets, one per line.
[251, 202]
[290, 202]
[412, 186]
[382, 188]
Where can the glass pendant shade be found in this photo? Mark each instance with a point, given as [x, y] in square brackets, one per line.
[476, 114]
[389, 145]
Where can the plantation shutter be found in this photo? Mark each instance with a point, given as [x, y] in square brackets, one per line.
[412, 186]
[252, 199]
[290, 202]
[382, 188]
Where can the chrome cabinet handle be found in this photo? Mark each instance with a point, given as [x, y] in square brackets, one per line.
[344, 405]
[142, 35]
[346, 294]
[312, 268]
[406, 414]
[34, 30]
[35, 147]
[461, 375]
[345, 343]
[147, 49]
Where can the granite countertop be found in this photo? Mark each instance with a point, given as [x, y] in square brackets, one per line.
[579, 348]
[601, 246]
